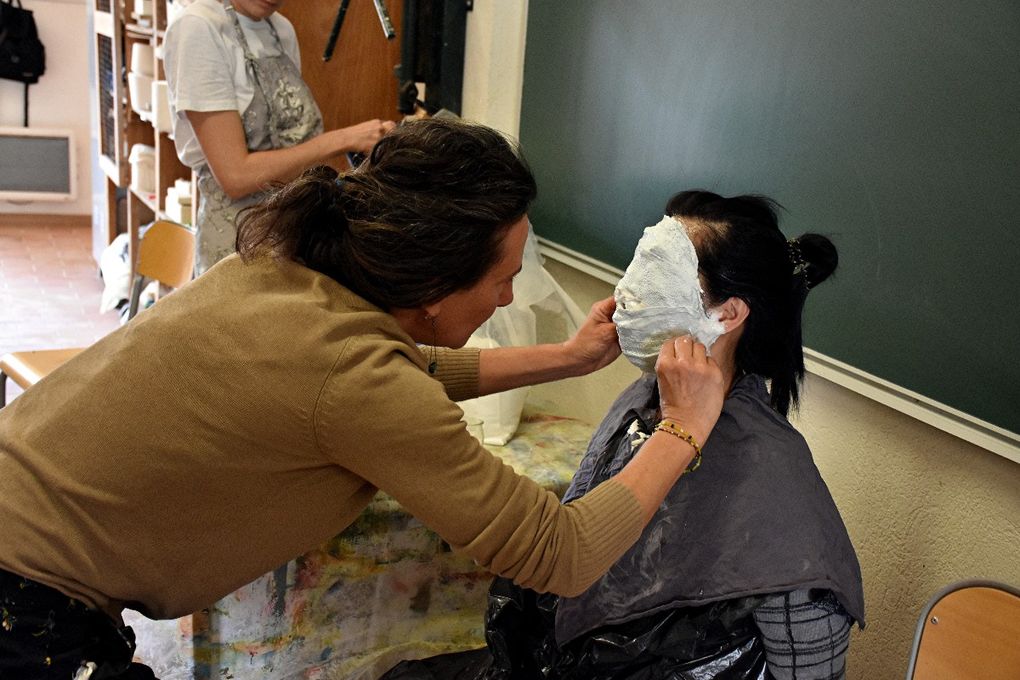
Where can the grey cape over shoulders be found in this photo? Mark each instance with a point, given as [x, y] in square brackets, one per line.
[755, 518]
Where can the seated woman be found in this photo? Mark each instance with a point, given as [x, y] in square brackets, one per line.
[746, 570]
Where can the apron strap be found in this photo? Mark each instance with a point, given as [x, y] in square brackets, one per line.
[249, 58]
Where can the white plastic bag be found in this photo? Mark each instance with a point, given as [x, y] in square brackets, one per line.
[535, 290]
[115, 265]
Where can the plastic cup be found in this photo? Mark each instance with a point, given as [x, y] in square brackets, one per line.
[475, 427]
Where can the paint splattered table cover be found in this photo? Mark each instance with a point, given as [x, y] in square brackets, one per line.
[384, 590]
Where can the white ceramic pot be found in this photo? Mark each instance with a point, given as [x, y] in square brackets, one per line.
[161, 106]
[140, 92]
[141, 58]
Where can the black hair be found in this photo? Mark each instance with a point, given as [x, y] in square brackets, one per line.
[743, 254]
[425, 215]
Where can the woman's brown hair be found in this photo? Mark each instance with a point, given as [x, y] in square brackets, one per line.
[423, 217]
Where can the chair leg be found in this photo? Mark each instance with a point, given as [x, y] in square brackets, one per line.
[136, 294]
[3, 389]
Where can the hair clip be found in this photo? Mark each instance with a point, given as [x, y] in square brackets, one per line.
[337, 196]
[796, 257]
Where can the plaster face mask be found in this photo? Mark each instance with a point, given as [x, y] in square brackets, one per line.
[659, 296]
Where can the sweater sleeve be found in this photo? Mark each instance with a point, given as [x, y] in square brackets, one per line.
[457, 369]
[386, 420]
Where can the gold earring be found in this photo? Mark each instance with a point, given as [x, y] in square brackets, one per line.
[433, 363]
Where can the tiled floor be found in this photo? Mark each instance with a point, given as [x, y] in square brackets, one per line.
[49, 290]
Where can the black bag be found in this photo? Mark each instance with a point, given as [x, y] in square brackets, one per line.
[22, 55]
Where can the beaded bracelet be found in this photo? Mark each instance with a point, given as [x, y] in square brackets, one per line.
[673, 428]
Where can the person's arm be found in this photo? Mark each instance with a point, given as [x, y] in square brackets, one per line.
[690, 386]
[691, 393]
[383, 418]
[594, 346]
[241, 172]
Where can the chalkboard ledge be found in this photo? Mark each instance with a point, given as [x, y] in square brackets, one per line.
[579, 261]
[974, 430]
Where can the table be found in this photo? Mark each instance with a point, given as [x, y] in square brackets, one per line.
[384, 590]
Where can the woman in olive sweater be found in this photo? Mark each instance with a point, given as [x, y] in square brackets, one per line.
[255, 412]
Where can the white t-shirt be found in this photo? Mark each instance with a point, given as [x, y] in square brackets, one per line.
[205, 66]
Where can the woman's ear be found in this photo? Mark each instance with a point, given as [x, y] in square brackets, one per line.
[733, 313]
[432, 310]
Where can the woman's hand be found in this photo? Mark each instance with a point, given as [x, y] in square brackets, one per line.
[691, 386]
[595, 345]
[363, 136]
[242, 172]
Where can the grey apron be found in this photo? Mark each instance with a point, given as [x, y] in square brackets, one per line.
[282, 113]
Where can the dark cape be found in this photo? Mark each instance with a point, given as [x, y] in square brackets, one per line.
[754, 519]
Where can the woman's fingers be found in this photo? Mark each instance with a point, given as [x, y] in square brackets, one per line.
[596, 344]
[363, 136]
[699, 351]
[691, 386]
[603, 309]
[683, 346]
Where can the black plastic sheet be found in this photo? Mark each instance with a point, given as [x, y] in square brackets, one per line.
[717, 641]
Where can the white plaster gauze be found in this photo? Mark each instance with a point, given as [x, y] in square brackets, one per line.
[659, 296]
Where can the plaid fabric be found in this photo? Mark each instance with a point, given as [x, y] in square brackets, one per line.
[806, 635]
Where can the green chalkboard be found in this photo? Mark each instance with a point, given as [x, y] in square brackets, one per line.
[891, 126]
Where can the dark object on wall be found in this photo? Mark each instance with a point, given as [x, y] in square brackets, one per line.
[384, 18]
[890, 127]
[334, 34]
[432, 52]
[22, 55]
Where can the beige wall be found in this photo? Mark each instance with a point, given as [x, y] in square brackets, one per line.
[923, 508]
[494, 63]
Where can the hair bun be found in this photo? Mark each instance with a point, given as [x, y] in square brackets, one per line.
[816, 255]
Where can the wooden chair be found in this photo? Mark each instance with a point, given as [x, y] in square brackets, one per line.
[166, 253]
[969, 631]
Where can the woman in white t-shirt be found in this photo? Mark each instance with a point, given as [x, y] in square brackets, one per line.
[242, 115]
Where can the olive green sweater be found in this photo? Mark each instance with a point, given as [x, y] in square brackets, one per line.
[249, 417]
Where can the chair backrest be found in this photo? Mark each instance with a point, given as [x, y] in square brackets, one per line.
[166, 253]
[969, 631]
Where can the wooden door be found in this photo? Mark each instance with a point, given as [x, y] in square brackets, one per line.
[359, 81]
